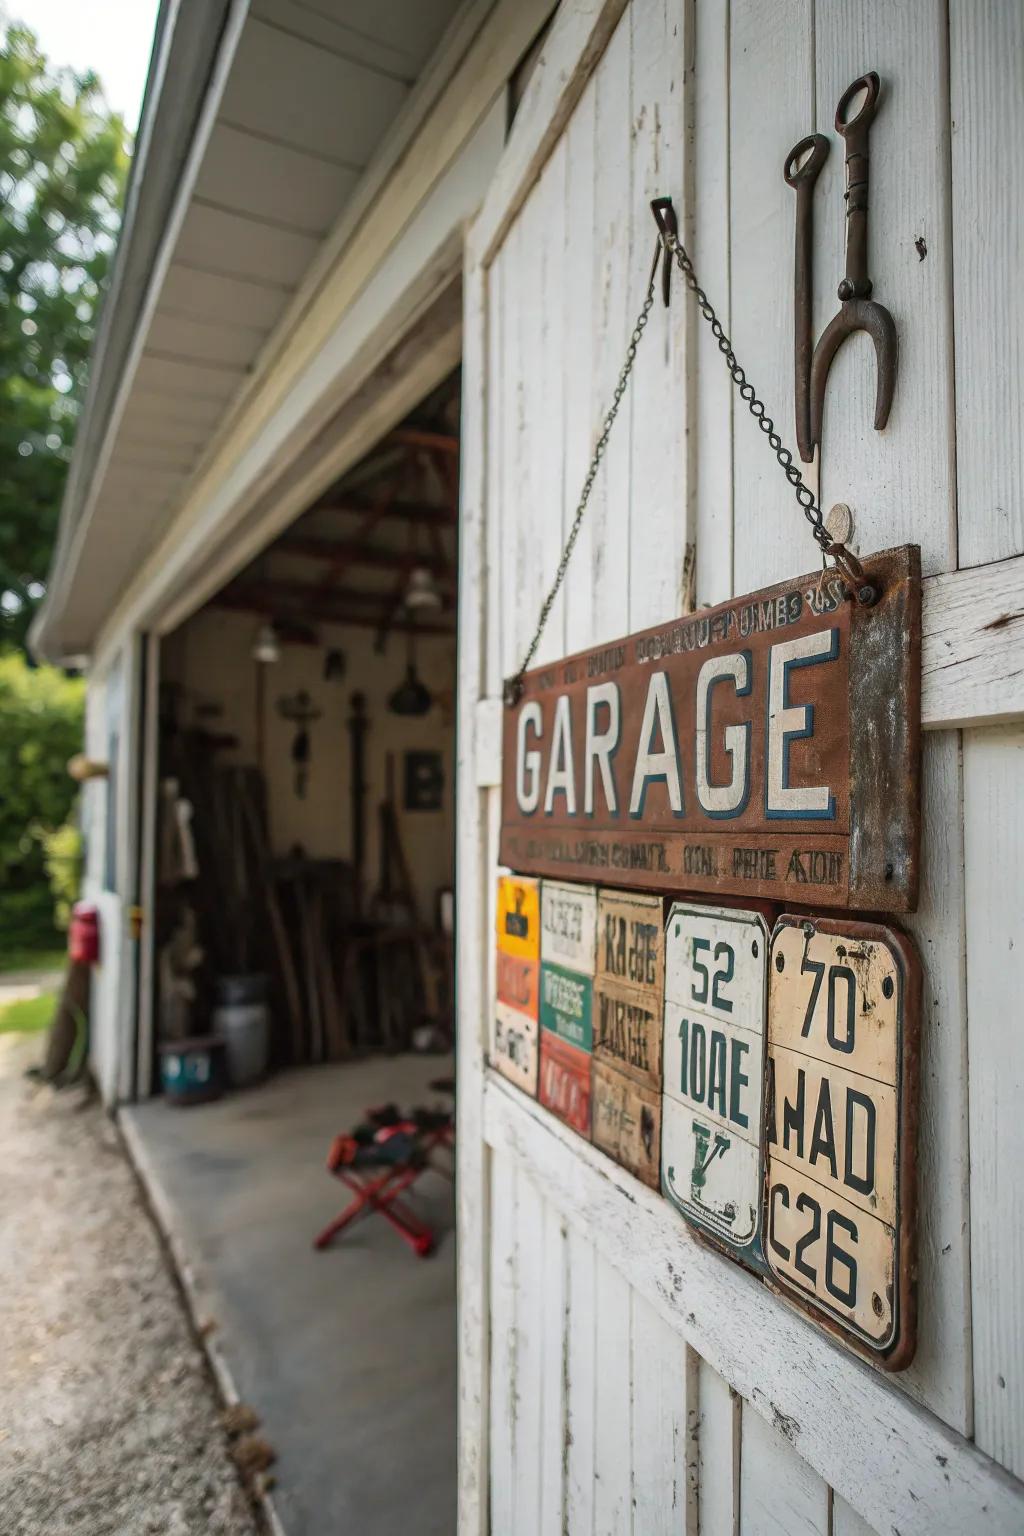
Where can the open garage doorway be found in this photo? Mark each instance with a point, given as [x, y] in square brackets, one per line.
[302, 970]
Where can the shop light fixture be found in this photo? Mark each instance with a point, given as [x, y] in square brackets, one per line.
[266, 648]
[422, 590]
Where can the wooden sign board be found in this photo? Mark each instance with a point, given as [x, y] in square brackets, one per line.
[629, 995]
[515, 1047]
[628, 1026]
[565, 1072]
[626, 1121]
[515, 1032]
[841, 1129]
[716, 962]
[631, 942]
[518, 920]
[767, 748]
[566, 1044]
[629, 991]
[568, 922]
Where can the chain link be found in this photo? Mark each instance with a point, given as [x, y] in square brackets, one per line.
[513, 686]
[804, 495]
[670, 245]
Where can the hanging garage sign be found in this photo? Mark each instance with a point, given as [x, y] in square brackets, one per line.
[767, 747]
[711, 1164]
[840, 1128]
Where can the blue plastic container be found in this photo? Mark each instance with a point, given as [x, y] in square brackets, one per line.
[193, 1071]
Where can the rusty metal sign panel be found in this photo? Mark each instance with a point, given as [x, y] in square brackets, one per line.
[631, 941]
[568, 924]
[568, 916]
[841, 1128]
[566, 1044]
[716, 963]
[767, 748]
[630, 988]
[514, 1037]
[629, 997]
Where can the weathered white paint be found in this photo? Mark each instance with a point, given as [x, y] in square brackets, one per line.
[764, 75]
[987, 123]
[147, 855]
[780, 1495]
[972, 646]
[994, 840]
[475, 855]
[891, 1459]
[718, 1435]
[103, 799]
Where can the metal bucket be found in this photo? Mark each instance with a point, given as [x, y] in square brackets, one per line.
[242, 1020]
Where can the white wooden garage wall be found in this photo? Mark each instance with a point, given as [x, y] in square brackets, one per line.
[615, 1375]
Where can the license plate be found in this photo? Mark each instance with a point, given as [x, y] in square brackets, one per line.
[843, 1033]
[713, 1052]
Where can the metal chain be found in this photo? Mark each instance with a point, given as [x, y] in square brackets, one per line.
[513, 686]
[670, 245]
[804, 495]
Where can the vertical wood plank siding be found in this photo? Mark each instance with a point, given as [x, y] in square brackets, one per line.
[600, 1421]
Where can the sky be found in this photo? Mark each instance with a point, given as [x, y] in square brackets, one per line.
[110, 37]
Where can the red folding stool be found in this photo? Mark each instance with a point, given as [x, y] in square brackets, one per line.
[377, 1183]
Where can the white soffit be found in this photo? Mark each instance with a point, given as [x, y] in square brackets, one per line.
[312, 90]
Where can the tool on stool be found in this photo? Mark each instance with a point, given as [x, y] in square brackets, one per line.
[380, 1160]
[857, 311]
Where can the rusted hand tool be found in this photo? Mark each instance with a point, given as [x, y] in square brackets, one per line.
[801, 173]
[857, 311]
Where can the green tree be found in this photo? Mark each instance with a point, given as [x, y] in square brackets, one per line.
[63, 161]
[40, 729]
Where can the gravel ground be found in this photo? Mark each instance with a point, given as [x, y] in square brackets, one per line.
[109, 1424]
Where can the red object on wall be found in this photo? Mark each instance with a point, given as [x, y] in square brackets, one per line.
[84, 934]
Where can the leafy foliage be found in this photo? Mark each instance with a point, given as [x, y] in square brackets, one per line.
[63, 162]
[41, 713]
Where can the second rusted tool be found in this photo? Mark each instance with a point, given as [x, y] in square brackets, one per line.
[803, 164]
[858, 311]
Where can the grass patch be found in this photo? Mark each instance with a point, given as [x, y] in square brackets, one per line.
[29, 1015]
[33, 960]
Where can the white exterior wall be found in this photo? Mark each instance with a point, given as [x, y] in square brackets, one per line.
[107, 882]
[616, 1376]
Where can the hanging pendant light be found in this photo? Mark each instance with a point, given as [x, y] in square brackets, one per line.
[265, 647]
[422, 590]
[411, 697]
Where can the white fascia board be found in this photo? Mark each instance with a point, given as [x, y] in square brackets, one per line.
[193, 50]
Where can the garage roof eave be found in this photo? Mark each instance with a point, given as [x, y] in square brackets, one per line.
[186, 46]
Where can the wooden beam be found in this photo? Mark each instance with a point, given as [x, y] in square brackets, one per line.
[972, 646]
[298, 595]
[407, 512]
[338, 550]
[419, 437]
[255, 600]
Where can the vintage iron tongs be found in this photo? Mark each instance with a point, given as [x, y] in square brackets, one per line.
[858, 311]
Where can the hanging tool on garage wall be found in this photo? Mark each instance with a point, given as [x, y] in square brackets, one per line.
[301, 711]
[858, 311]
